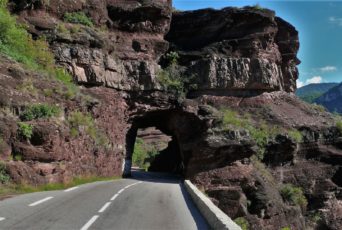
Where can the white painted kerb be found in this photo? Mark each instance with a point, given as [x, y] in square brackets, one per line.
[215, 217]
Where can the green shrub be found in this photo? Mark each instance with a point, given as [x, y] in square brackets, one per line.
[4, 177]
[339, 126]
[142, 154]
[295, 135]
[293, 195]
[242, 222]
[78, 18]
[25, 130]
[38, 111]
[286, 228]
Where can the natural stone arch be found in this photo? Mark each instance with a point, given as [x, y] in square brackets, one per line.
[178, 124]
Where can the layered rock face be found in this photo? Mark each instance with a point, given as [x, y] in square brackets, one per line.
[123, 51]
[237, 50]
[239, 59]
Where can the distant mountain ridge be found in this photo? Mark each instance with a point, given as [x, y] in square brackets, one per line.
[311, 92]
[332, 99]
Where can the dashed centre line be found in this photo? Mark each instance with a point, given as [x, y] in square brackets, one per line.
[105, 207]
[71, 189]
[90, 222]
[2, 218]
[114, 197]
[40, 201]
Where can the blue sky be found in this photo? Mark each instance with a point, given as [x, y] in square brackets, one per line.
[320, 32]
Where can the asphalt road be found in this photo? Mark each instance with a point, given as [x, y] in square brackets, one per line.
[146, 201]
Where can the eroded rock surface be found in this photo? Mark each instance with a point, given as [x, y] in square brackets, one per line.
[241, 59]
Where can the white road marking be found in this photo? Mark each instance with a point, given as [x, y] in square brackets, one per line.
[71, 189]
[127, 186]
[2, 218]
[114, 197]
[105, 207]
[90, 222]
[40, 201]
[120, 191]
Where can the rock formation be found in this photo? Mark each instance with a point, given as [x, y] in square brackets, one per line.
[241, 59]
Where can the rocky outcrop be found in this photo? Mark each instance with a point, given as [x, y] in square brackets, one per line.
[121, 51]
[236, 51]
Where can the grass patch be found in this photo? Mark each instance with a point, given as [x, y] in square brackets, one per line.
[18, 44]
[80, 121]
[25, 130]
[4, 177]
[23, 188]
[242, 222]
[78, 18]
[319, 108]
[261, 133]
[339, 126]
[293, 195]
[39, 111]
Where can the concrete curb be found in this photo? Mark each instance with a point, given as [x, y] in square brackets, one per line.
[214, 216]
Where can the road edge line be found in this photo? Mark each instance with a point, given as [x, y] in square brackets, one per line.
[215, 217]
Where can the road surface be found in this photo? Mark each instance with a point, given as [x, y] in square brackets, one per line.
[146, 201]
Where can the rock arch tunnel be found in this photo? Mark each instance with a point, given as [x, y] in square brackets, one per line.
[183, 128]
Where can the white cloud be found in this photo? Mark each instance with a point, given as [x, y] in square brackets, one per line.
[300, 84]
[313, 80]
[328, 68]
[334, 20]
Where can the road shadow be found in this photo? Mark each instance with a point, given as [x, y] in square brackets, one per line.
[156, 177]
[201, 223]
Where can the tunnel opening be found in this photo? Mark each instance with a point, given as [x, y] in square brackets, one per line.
[178, 128]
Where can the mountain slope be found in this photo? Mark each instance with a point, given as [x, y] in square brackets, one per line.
[332, 99]
[311, 92]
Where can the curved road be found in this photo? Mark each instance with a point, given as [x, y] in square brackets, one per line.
[146, 201]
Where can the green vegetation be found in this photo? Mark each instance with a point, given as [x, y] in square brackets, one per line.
[27, 87]
[4, 177]
[311, 97]
[286, 228]
[261, 134]
[296, 135]
[78, 120]
[142, 155]
[242, 222]
[319, 108]
[293, 195]
[25, 130]
[38, 111]
[172, 78]
[23, 188]
[339, 125]
[78, 18]
[66, 79]
[16, 43]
